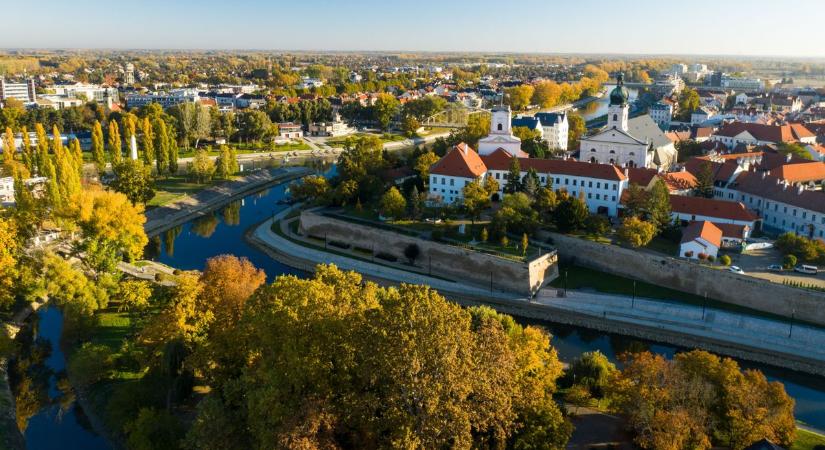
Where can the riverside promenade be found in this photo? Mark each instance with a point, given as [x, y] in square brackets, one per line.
[165, 217]
[774, 342]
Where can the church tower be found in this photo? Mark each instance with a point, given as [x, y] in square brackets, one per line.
[619, 109]
[501, 120]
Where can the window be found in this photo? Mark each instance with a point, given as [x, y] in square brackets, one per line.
[615, 117]
[574, 181]
[598, 197]
[598, 185]
[452, 181]
[567, 181]
[804, 214]
[592, 150]
[498, 176]
[589, 195]
[612, 152]
[614, 198]
[499, 127]
[615, 187]
[558, 180]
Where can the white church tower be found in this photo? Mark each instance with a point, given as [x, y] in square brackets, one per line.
[501, 134]
[619, 110]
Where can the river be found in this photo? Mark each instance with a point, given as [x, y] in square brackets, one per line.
[190, 245]
[598, 108]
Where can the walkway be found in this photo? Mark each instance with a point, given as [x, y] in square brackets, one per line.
[778, 336]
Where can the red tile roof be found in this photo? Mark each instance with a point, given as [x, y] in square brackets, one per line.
[708, 207]
[680, 181]
[800, 173]
[460, 161]
[705, 230]
[768, 133]
[641, 175]
[500, 160]
[772, 188]
[732, 230]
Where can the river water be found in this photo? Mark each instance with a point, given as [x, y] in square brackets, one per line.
[599, 107]
[190, 245]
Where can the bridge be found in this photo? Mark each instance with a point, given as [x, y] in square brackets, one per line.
[453, 116]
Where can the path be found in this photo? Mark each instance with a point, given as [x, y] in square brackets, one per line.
[164, 217]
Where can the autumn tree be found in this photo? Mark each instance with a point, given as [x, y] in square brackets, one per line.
[313, 188]
[393, 204]
[576, 129]
[133, 179]
[386, 107]
[148, 142]
[114, 144]
[518, 97]
[108, 217]
[202, 168]
[476, 199]
[161, 145]
[98, 151]
[636, 232]
[423, 164]
[9, 248]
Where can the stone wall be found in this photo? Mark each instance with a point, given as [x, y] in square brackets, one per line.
[439, 259]
[728, 287]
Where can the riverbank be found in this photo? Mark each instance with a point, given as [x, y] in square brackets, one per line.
[165, 217]
[680, 332]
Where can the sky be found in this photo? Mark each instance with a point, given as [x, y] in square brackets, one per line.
[714, 27]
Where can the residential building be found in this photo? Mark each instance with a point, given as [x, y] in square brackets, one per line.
[700, 238]
[289, 130]
[735, 133]
[174, 97]
[330, 129]
[501, 134]
[662, 114]
[742, 84]
[637, 142]
[700, 116]
[309, 83]
[556, 129]
[129, 74]
[687, 209]
[529, 122]
[458, 168]
[678, 69]
[24, 91]
[7, 188]
[89, 92]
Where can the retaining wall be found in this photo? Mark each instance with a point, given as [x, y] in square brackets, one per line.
[440, 259]
[728, 287]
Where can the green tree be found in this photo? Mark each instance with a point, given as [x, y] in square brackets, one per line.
[27, 151]
[689, 102]
[513, 177]
[134, 179]
[313, 188]
[658, 205]
[90, 364]
[597, 224]
[161, 145]
[202, 168]
[423, 164]
[254, 125]
[154, 429]
[593, 371]
[115, 146]
[226, 165]
[476, 199]
[636, 232]
[386, 107]
[705, 181]
[98, 151]
[148, 142]
[570, 214]
[393, 203]
[795, 149]
[576, 129]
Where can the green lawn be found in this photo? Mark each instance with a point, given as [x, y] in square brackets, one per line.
[386, 137]
[170, 189]
[664, 246]
[805, 440]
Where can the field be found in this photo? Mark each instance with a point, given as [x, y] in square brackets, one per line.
[805, 440]
[386, 137]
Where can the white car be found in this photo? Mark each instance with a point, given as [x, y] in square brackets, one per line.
[736, 269]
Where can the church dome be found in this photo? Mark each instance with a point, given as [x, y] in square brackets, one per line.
[619, 95]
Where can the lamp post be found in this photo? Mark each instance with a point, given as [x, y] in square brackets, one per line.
[704, 306]
[790, 332]
[565, 284]
[633, 299]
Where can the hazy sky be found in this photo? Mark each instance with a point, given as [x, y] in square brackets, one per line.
[739, 27]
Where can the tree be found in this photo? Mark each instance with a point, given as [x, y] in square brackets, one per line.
[724, 260]
[134, 179]
[115, 148]
[789, 262]
[133, 295]
[154, 429]
[794, 149]
[592, 371]
[410, 126]
[570, 214]
[516, 215]
[636, 232]
[689, 102]
[518, 97]
[254, 124]
[313, 188]
[98, 151]
[597, 224]
[530, 183]
[386, 107]
[194, 122]
[393, 203]
[162, 146]
[423, 164]
[107, 216]
[412, 252]
[476, 199]
[9, 249]
[148, 142]
[227, 165]
[636, 201]
[545, 203]
[576, 129]
[90, 364]
[658, 205]
[525, 243]
[202, 168]
[485, 235]
[27, 152]
[705, 181]
[546, 94]
[9, 148]
[579, 396]
[42, 148]
[513, 177]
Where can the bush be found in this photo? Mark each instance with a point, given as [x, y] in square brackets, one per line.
[90, 364]
[711, 258]
[597, 224]
[636, 232]
[412, 252]
[702, 256]
[724, 260]
[154, 429]
[789, 261]
[689, 254]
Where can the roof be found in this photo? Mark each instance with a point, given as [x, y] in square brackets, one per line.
[764, 444]
[700, 132]
[550, 118]
[641, 175]
[800, 173]
[732, 230]
[705, 230]
[708, 207]
[461, 161]
[525, 121]
[676, 136]
[645, 129]
[772, 188]
[769, 133]
[500, 160]
[680, 181]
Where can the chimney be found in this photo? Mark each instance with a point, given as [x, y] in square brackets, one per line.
[784, 186]
[788, 157]
[799, 189]
[626, 172]
[764, 174]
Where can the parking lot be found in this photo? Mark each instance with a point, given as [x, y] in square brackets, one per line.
[755, 263]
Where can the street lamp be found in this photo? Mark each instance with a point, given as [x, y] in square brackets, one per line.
[565, 284]
[704, 306]
[793, 313]
[633, 300]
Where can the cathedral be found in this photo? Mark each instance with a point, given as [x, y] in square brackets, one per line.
[626, 142]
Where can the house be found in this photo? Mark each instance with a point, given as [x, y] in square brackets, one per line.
[734, 133]
[690, 209]
[556, 129]
[700, 238]
[289, 130]
[680, 183]
[529, 122]
[458, 168]
[661, 113]
[700, 116]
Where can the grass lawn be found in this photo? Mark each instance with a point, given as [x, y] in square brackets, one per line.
[662, 245]
[175, 187]
[386, 137]
[805, 440]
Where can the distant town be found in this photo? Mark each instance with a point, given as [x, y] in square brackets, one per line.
[378, 250]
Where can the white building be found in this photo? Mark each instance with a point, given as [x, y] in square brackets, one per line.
[501, 134]
[556, 129]
[7, 187]
[89, 92]
[662, 114]
[735, 133]
[289, 130]
[309, 83]
[458, 168]
[165, 100]
[24, 92]
[701, 237]
[743, 84]
[701, 115]
[629, 143]
[678, 69]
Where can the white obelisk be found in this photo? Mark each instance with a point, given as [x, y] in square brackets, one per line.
[133, 147]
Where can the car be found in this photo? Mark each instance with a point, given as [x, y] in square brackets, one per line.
[736, 269]
[776, 268]
[810, 270]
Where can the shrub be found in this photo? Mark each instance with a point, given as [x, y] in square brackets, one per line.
[789, 261]
[724, 260]
[412, 252]
[90, 364]
[635, 232]
[711, 258]
[702, 256]
[689, 254]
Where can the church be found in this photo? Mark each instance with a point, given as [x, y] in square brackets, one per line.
[501, 134]
[626, 142]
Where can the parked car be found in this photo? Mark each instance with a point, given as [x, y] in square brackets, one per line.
[775, 268]
[736, 269]
[810, 270]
